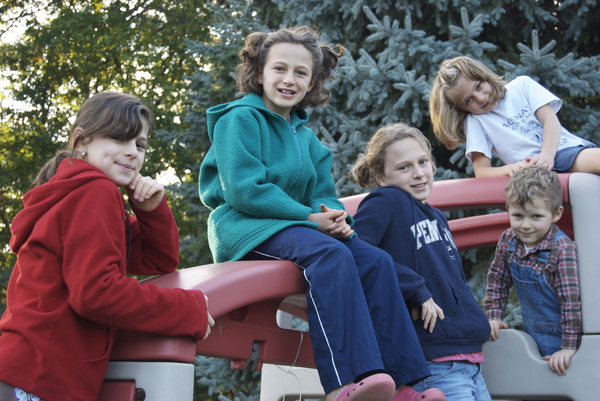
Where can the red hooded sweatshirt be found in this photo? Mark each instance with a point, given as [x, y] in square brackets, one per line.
[69, 293]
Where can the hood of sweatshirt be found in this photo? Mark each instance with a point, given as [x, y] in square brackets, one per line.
[71, 174]
[297, 116]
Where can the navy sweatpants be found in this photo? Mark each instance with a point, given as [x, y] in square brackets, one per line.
[357, 318]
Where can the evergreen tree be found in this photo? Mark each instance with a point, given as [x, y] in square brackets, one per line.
[395, 48]
[393, 51]
[213, 83]
[69, 50]
[216, 379]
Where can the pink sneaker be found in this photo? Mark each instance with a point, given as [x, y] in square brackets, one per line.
[410, 394]
[378, 387]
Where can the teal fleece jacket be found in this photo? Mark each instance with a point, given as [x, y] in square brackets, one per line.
[261, 175]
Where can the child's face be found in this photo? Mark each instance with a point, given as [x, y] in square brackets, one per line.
[119, 159]
[408, 166]
[287, 77]
[474, 97]
[531, 222]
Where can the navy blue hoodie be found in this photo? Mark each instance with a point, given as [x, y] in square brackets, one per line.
[418, 237]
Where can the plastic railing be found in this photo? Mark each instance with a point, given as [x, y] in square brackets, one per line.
[245, 298]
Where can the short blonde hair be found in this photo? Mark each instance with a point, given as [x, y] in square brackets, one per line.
[532, 183]
[372, 161]
[446, 118]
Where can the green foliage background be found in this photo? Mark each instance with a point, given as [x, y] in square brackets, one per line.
[179, 57]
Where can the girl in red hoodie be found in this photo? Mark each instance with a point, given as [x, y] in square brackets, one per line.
[69, 293]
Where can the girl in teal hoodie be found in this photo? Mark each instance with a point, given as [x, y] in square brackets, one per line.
[266, 179]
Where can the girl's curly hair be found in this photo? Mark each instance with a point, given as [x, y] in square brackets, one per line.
[256, 50]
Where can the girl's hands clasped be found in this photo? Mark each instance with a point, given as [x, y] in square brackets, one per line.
[332, 222]
[145, 193]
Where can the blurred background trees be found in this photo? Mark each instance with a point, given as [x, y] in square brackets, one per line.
[67, 50]
[179, 56]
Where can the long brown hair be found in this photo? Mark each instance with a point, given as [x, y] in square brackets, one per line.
[447, 119]
[112, 114]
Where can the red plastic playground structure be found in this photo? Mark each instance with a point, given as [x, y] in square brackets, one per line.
[245, 298]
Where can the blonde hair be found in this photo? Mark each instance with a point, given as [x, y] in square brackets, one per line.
[104, 114]
[256, 50]
[446, 118]
[372, 161]
[531, 183]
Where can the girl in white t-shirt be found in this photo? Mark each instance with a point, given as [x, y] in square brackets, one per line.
[516, 121]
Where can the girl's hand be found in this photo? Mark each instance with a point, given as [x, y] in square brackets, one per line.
[513, 168]
[211, 321]
[482, 166]
[430, 312]
[145, 193]
[560, 360]
[339, 227]
[496, 325]
[542, 159]
[332, 222]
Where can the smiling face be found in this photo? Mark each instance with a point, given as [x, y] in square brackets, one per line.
[474, 97]
[286, 77]
[120, 159]
[532, 221]
[409, 167]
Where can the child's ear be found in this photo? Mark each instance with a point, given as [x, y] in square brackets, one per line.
[80, 142]
[379, 180]
[558, 214]
[312, 85]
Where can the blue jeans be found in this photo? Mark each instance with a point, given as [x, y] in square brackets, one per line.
[459, 380]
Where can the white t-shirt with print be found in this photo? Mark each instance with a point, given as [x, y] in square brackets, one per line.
[512, 130]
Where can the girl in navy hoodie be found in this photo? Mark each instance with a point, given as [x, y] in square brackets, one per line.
[395, 218]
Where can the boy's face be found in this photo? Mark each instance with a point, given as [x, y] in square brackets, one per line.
[532, 221]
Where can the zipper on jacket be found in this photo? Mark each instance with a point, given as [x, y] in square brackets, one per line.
[299, 148]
